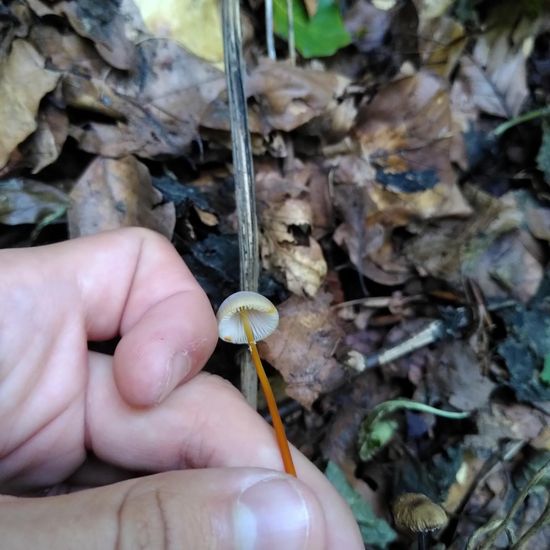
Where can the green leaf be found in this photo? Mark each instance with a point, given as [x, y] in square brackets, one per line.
[376, 532]
[545, 374]
[377, 429]
[543, 157]
[375, 437]
[319, 36]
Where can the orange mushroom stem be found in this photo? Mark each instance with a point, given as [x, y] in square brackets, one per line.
[278, 426]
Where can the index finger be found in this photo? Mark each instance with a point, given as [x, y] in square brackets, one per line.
[134, 284]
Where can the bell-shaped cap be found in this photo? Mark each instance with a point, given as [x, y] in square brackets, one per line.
[416, 513]
[262, 316]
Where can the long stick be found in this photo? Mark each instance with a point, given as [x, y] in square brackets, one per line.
[269, 36]
[243, 172]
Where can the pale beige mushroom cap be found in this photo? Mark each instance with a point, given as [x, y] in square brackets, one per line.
[262, 315]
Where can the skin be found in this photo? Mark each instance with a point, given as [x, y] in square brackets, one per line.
[222, 485]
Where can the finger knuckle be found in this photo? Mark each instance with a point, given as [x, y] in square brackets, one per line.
[144, 521]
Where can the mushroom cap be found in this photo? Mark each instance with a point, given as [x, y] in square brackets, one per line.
[416, 513]
[262, 315]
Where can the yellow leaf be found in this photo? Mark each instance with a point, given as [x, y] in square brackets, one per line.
[23, 83]
[194, 23]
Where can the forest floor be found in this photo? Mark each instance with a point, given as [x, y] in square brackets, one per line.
[402, 167]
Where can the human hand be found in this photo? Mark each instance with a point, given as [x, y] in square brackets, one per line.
[147, 408]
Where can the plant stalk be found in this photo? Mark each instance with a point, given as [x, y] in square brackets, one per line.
[243, 172]
[270, 38]
[525, 117]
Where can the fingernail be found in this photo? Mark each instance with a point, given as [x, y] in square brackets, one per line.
[177, 368]
[272, 514]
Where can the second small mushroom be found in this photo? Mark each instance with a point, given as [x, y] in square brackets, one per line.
[416, 514]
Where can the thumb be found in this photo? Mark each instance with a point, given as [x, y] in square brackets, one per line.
[233, 508]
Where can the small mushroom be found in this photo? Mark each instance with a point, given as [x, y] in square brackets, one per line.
[415, 513]
[247, 317]
[262, 315]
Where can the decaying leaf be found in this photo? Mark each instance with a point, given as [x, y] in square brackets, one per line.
[367, 235]
[405, 136]
[30, 201]
[368, 25]
[401, 171]
[432, 9]
[495, 74]
[492, 249]
[302, 348]
[458, 379]
[288, 249]
[272, 187]
[291, 96]
[504, 421]
[441, 43]
[543, 156]
[46, 143]
[20, 99]
[293, 212]
[196, 25]
[214, 261]
[117, 193]
[527, 347]
[67, 51]
[101, 22]
[162, 104]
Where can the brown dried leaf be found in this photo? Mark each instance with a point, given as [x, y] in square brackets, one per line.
[308, 182]
[293, 211]
[291, 96]
[406, 133]
[441, 43]
[366, 233]
[14, 23]
[368, 25]
[117, 193]
[458, 379]
[44, 146]
[20, 98]
[505, 421]
[94, 95]
[104, 25]
[67, 51]
[491, 249]
[495, 75]
[538, 220]
[302, 347]
[162, 104]
[297, 259]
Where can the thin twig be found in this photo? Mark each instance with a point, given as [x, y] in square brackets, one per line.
[525, 117]
[243, 172]
[502, 524]
[541, 521]
[291, 41]
[269, 36]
